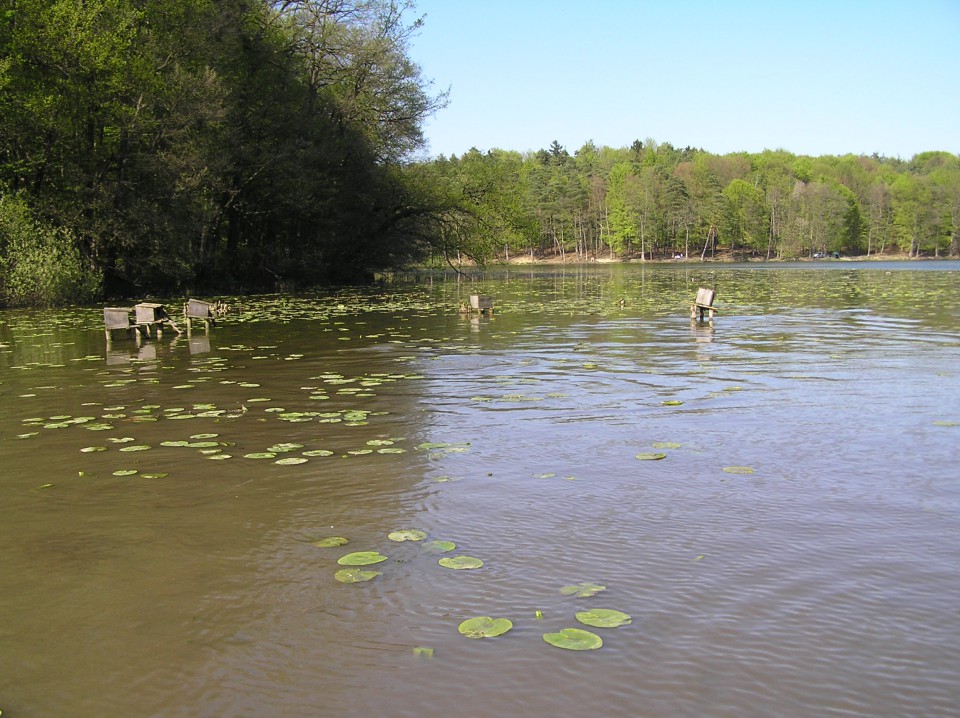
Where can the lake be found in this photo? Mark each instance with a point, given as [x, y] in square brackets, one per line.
[773, 499]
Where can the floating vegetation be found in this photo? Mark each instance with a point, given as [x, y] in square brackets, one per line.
[460, 563]
[260, 455]
[361, 558]
[603, 618]
[439, 546]
[671, 402]
[738, 469]
[135, 447]
[282, 448]
[355, 575]
[125, 472]
[318, 452]
[665, 445]
[91, 449]
[423, 651]
[574, 639]
[407, 535]
[485, 627]
[643, 456]
[330, 542]
[583, 590]
[291, 461]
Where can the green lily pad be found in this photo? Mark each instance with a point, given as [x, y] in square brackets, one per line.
[174, 443]
[407, 535]
[136, 447]
[361, 558]
[460, 562]
[291, 461]
[439, 546]
[355, 575]
[318, 452]
[260, 455]
[603, 618]
[574, 639]
[423, 651]
[651, 456]
[583, 590]
[665, 445]
[155, 475]
[91, 449]
[671, 402]
[125, 472]
[485, 627]
[738, 469]
[281, 448]
[330, 542]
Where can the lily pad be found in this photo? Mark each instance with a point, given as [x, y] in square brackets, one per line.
[738, 469]
[318, 452]
[260, 455]
[574, 639]
[485, 627]
[291, 461]
[665, 445]
[460, 562]
[355, 575]
[407, 535]
[330, 541]
[671, 402]
[91, 449]
[125, 472]
[361, 558]
[439, 546]
[583, 590]
[645, 456]
[603, 618]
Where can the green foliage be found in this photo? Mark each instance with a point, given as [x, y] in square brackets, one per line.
[40, 265]
[237, 144]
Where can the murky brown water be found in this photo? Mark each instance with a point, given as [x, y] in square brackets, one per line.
[824, 583]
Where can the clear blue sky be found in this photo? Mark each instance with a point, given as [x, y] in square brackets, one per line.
[813, 77]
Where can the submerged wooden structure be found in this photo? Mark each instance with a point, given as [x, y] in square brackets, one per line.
[703, 304]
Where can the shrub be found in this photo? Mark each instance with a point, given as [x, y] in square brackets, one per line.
[41, 265]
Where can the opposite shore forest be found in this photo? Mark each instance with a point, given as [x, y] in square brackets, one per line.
[172, 146]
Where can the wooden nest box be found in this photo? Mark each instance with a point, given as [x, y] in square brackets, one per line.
[703, 304]
[481, 303]
[198, 309]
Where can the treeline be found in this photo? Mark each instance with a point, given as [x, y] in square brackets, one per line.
[654, 200]
[164, 145]
[171, 146]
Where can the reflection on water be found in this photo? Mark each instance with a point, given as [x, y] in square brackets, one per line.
[823, 582]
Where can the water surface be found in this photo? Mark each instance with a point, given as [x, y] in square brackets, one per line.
[823, 583]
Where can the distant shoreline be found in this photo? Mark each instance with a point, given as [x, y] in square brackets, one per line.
[572, 258]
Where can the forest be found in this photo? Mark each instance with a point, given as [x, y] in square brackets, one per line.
[175, 146]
